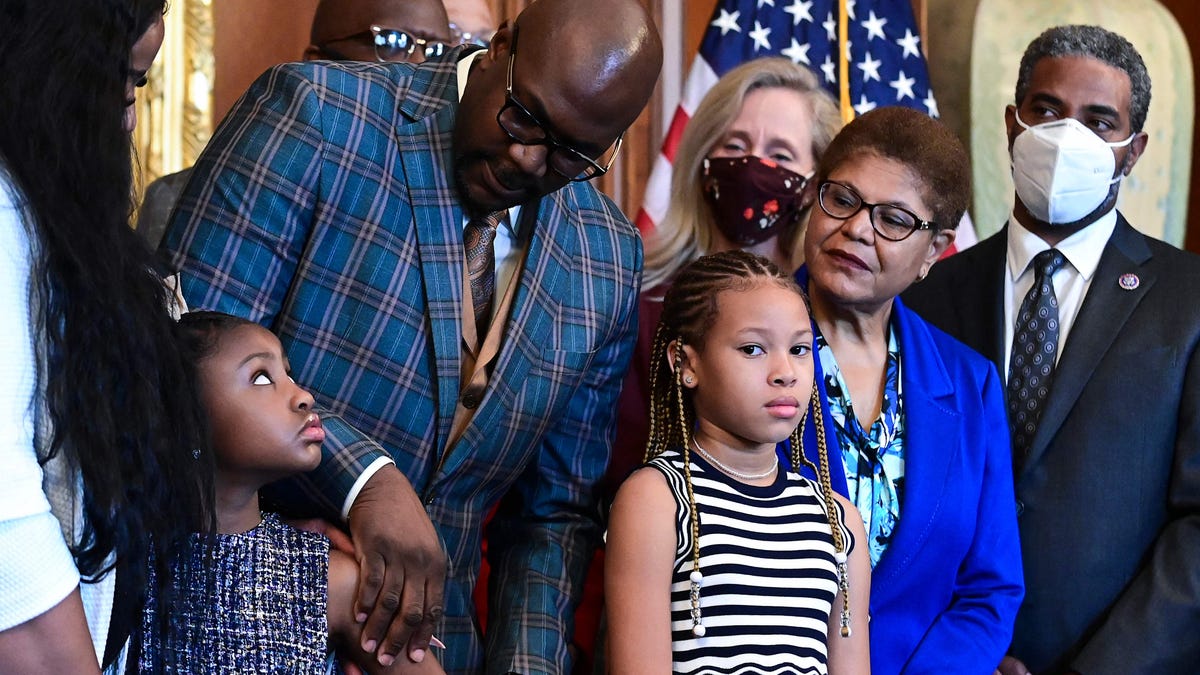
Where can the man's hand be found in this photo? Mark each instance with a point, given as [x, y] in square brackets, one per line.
[402, 568]
[1011, 665]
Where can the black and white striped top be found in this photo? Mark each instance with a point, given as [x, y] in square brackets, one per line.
[769, 573]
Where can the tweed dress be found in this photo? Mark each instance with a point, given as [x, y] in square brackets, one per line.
[259, 606]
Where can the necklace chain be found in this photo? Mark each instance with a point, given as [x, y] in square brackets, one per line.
[733, 472]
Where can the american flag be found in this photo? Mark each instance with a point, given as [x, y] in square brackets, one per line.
[885, 65]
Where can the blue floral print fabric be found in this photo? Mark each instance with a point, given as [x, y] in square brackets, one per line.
[873, 458]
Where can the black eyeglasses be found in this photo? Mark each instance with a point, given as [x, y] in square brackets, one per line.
[525, 128]
[393, 44]
[890, 222]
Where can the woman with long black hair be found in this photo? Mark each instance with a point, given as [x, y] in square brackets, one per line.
[99, 460]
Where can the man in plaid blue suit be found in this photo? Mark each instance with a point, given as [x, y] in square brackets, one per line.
[330, 206]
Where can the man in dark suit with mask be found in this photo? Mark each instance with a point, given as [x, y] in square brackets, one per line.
[1096, 327]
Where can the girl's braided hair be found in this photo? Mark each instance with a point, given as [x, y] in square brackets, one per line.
[689, 308]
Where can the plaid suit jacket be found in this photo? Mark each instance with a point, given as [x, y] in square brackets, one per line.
[324, 208]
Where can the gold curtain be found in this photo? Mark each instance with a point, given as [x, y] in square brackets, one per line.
[175, 107]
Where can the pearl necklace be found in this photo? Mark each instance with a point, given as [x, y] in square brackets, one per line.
[732, 472]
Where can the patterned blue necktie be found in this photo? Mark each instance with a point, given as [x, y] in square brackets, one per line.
[1034, 347]
[479, 238]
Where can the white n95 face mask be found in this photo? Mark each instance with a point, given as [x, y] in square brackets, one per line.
[1062, 170]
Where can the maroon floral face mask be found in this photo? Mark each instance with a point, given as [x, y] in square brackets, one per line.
[752, 198]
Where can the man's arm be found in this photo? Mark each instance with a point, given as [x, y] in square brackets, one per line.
[543, 535]
[1152, 627]
[238, 236]
[246, 214]
[349, 459]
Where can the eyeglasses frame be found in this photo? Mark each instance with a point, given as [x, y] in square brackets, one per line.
[920, 224]
[592, 168]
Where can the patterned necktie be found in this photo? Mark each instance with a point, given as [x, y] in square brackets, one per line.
[479, 237]
[1034, 347]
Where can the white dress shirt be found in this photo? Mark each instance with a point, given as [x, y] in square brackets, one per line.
[1071, 283]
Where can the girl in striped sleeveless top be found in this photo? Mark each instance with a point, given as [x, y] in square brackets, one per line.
[718, 559]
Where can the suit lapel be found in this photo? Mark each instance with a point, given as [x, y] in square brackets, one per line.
[532, 321]
[929, 419]
[1105, 309]
[427, 160]
[983, 321]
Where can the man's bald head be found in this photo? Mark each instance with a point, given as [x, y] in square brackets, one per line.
[341, 28]
[614, 63]
[576, 84]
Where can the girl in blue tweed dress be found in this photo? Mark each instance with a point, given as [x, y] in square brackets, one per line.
[257, 596]
[720, 561]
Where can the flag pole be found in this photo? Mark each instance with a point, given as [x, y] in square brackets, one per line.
[844, 64]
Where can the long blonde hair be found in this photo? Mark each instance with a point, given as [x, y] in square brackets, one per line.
[685, 233]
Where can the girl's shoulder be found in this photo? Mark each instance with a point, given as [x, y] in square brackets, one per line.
[669, 460]
[847, 516]
[277, 528]
[648, 494]
[646, 484]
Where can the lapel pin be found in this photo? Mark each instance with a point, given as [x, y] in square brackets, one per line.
[1129, 281]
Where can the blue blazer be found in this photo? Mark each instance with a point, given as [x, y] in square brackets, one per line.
[945, 594]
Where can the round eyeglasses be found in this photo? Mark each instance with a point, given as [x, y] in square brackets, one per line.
[893, 223]
[392, 44]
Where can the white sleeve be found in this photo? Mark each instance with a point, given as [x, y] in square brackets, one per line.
[363, 477]
[36, 568]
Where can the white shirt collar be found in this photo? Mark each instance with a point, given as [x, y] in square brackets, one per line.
[464, 69]
[1082, 249]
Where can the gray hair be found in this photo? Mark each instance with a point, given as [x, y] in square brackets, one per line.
[1097, 43]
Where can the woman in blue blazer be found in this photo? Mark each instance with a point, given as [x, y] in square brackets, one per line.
[917, 418]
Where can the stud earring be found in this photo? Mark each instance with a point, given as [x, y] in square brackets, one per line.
[689, 380]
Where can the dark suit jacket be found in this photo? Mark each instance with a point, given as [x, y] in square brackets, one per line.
[157, 205]
[325, 208]
[1109, 497]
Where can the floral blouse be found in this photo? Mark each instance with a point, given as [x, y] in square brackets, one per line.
[874, 458]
